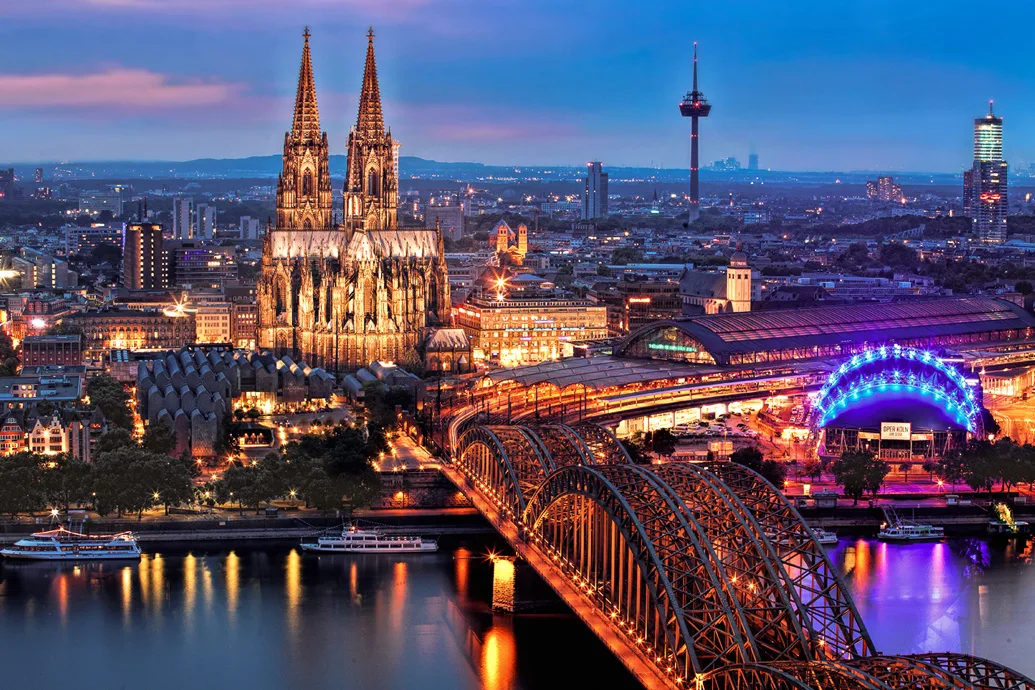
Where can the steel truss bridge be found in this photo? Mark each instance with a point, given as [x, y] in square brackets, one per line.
[695, 576]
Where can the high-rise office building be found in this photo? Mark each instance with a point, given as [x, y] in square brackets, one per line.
[884, 189]
[183, 218]
[39, 175]
[249, 228]
[985, 198]
[752, 161]
[205, 222]
[594, 198]
[143, 258]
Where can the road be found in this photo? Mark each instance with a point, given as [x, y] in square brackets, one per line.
[1016, 417]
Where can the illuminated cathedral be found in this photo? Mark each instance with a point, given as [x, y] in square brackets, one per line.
[341, 295]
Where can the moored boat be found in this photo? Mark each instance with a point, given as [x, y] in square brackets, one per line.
[353, 540]
[897, 529]
[825, 538]
[65, 545]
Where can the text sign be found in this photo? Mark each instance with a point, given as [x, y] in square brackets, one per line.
[895, 431]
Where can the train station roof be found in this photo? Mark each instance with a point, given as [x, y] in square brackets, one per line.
[725, 334]
[602, 371]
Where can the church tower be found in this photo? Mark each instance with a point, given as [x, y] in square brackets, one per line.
[738, 283]
[371, 181]
[304, 187]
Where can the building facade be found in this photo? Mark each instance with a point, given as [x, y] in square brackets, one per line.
[132, 329]
[143, 259]
[183, 217]
[985, 198]
[594, 197]
[715, 292]
[44, 350]
[342, 296]
[518, 331]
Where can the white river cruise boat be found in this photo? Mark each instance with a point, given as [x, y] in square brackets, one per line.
[353, 540]
[825, 538]
[65, 545]
[896, 529]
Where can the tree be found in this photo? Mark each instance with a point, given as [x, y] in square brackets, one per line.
[253, 414]
[626, 255]
[876, 471]
[114, 439]
[774, 471]
[158, 438]
[110, 396]
[132, 480]
[21, 483]
[930, 466]
[904, 468]
[663, 442]
[853, 473]
[634, 451]
[750, 457]
[813, 469]
[989, 422]
[67, 482]
[1024, 287]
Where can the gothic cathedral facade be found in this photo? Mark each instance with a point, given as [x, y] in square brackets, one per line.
[342, 295]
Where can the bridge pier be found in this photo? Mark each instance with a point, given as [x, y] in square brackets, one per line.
[516, 587]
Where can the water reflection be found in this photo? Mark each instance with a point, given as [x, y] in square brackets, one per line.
[959, 595]
[276, 618]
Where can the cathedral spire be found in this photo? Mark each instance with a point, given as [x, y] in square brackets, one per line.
[370, 120]
[306, 124]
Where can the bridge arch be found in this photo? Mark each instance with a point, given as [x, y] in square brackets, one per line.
[505, 462]
[891, 370]
[645, 563]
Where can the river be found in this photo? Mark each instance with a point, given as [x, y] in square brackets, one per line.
[271, 617]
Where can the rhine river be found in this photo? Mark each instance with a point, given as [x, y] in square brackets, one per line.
[272, 617]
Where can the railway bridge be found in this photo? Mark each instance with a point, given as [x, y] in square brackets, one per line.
[695, 576]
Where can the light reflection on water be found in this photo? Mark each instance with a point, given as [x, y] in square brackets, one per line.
[276, 618]
[961, 595]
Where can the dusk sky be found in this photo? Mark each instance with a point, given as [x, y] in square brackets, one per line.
[808, 85]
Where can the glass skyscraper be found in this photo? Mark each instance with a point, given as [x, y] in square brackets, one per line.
[985, 198]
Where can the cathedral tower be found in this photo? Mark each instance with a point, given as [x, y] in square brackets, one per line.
[304, 188]
[371, 181]
[341, 297]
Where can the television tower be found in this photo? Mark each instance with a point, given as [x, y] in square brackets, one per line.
[695, 106]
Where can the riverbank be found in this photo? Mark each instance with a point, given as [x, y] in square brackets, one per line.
[237, 528]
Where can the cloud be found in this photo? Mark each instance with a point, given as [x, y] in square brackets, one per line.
[134, 89]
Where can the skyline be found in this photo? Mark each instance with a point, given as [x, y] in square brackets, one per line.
[77, 87]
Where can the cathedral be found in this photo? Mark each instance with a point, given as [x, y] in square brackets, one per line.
[341, 295]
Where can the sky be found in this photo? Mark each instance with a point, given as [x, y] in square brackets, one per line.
[808, 85]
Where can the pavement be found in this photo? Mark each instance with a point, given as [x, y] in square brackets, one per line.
[405, 455]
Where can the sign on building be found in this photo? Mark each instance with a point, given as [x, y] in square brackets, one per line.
[895, 431]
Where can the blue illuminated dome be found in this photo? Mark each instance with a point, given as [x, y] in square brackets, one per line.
[895, 383]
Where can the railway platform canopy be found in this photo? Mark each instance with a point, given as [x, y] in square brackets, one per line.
[795, 335]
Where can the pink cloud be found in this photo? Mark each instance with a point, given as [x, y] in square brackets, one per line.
[136, 89]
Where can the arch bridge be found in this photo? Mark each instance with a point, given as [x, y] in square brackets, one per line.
[695, 576]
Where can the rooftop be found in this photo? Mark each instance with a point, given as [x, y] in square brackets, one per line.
[723, 334]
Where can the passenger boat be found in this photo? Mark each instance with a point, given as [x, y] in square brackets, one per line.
[65, 545]
[353, 540]
[825, 538]
[896, 529]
